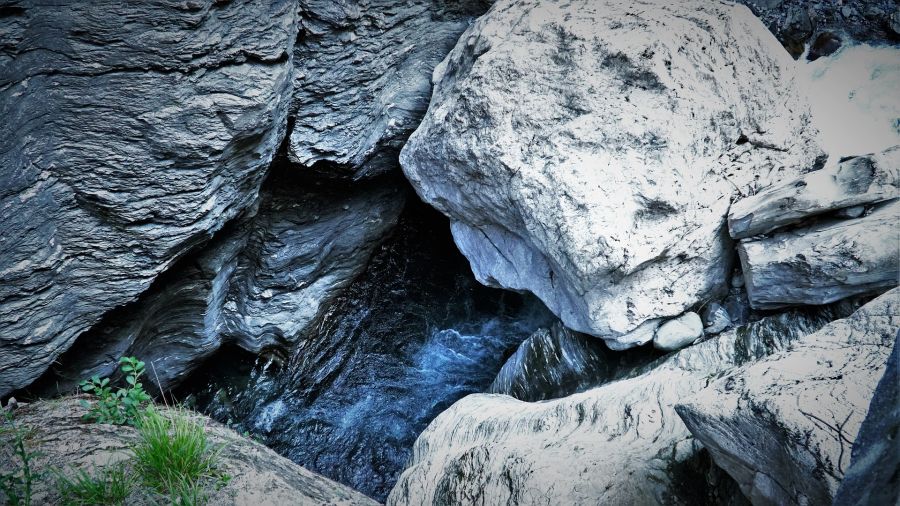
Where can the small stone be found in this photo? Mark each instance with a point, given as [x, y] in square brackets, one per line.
[678, 333]
[737, 280]
[11, 404]
[846, 11]
[715, 318]
[895, 21]
[851, 212]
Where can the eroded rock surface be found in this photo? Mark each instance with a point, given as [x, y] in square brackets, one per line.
[824, 262]
[853, 182]
[363, 77]
[783, 427]
[537, 146]
[126, 139]
[258, 474]
[261, 283]
[620, 443]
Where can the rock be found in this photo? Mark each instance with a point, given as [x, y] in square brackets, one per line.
[258, 475]
[363, 77]
[895, 21]
[858, 180]
[620, 443]
[824, 262]
[825, 45]
[261, 283]
[678, 333]
[850, 212]
[127, 139]
[875, 459]
[536, 145]
[783, 427]
[553, 363]
[715, 318]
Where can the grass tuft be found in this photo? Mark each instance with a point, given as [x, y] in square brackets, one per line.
[110, 485]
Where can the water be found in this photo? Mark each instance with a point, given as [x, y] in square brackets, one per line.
[414, 334]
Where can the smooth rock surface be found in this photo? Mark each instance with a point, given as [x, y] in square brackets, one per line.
[679, 332]
[126, 139]
[261, 283]
[784, 426]
[859, 180]
[824, 262]
[536, 145]
[872, 477]
[715, 318]
[259, 476]
[620, 443]
[363, 77]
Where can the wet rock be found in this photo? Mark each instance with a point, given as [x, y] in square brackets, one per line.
[258, 475]
[875, 459]
[783, 427]
[679, 332]
[858, 180]
[553, 363]
[261, 283]
[824, 262]
[363, 77]
[540, 110]
[126, 140]
[620, 443]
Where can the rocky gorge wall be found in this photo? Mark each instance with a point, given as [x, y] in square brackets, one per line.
[180, 178]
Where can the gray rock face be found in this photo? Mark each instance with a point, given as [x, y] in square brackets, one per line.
[260, 283]
[536, 145]
[715, 318]
[783, 427]
[553, 363]
[824, 262]
[126, 139]
[363, 76]
[875, 459]
[620, 443]
[678, 332]
[859, 180]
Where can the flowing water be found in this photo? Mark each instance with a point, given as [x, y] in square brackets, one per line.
[414, 334]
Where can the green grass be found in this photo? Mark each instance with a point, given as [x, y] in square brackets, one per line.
[17, 485]
[110, 485]
[174, 457]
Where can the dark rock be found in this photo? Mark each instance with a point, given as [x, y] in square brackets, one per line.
[715, 318]
[363, 77]
[129, 135]
[554, 363]
[261, 283]
[824, 45]
[782, 427]
[873, 477]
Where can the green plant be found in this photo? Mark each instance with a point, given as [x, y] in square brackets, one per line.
[122, 406]
[17, 484]
[109, 485]
[174, 457]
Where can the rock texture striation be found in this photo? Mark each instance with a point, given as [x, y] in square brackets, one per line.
[363, 77]
[258, 474]
[620, 443]
[537, 146]
[824, 262]
[783, 427]
[852, 182]
[126, 139]
[261, 283]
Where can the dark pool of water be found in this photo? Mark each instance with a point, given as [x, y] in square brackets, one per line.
[414, 334]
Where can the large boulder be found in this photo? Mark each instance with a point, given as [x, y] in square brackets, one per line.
[363, 77]
[130, 133]
[620, 443]
[783, 427]
[261, 283]
[540, 147]
[63, 442]
[825, 261]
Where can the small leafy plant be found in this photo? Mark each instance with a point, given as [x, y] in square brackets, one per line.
[17, 484]
[112, 484]
[120, 407]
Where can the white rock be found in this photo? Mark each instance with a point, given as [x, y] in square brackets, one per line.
[588, 151]
[678, 333]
